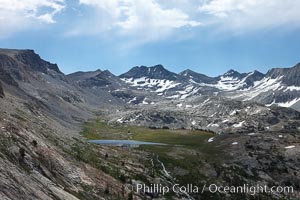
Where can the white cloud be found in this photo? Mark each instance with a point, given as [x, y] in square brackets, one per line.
[245, 15]
[142, 21]
[16, 15]
[146, 20]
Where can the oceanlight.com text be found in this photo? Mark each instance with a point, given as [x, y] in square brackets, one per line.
[213, 188]
[247, 189]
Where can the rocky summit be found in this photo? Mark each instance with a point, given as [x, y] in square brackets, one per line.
[235, 129]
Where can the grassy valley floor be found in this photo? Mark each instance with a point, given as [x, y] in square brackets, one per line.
[188, 158]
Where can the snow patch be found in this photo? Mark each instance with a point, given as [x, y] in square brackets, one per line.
[179, 105]
[292, 88]
[120, 120]
[239, 124]
[234, 112]
[211, 139]
[213, 125]
[160, 85]
[132, 100]
[289, 103]
[228, 83]
[145, 102]
[264, 85]
[290, 147]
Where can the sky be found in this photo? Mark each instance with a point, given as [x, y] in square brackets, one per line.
[207, 36]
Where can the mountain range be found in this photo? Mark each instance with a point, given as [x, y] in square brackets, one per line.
[279, 86]
[25, 74]
[276, 87]
[43, 110]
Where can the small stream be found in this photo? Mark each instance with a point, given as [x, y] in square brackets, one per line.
[172, 182]
[136, 143]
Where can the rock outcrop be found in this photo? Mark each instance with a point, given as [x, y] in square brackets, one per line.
[1, 91]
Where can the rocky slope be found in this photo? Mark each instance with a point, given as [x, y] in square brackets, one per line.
[40, 160]
[41, 153]
[97, 79]
[211, 113]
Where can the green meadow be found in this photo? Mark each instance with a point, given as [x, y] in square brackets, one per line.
[186, 155]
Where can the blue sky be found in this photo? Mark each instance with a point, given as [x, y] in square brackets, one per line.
[208, 36]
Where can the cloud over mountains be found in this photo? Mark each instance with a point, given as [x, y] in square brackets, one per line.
[149, 20]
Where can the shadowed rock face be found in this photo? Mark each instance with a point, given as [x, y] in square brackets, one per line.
[7, 62]
[290, 76]
[1, 91]
[25, 59]
[30, 58]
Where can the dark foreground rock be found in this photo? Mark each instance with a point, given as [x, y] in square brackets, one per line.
[1, 91]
